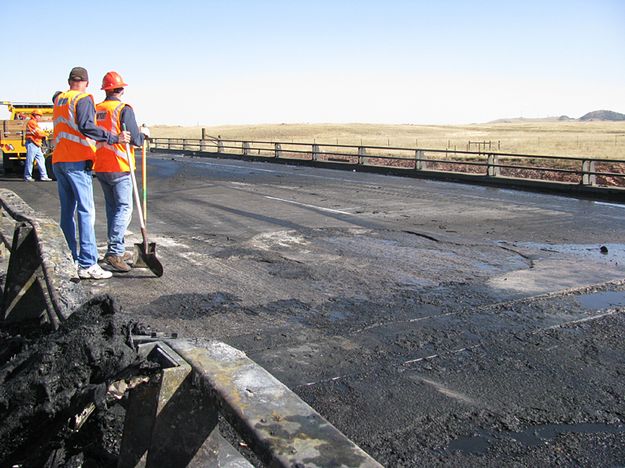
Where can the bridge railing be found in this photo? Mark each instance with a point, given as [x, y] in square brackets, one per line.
[37, 266]
[173, 420]
[574, 170]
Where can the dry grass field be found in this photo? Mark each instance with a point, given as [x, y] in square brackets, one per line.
[572, 138]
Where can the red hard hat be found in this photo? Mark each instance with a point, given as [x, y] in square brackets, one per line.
[112, 80]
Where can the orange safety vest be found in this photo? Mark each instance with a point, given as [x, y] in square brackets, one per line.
[70, 145]
[33, 132]
[111, 158]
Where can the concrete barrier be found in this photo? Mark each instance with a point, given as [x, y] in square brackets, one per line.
[41, 284]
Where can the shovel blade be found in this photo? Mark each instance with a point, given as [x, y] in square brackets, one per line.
[147, 259]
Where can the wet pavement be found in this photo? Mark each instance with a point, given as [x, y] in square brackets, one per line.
[433, 323]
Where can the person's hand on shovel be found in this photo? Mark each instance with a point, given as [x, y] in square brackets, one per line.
[123, 137]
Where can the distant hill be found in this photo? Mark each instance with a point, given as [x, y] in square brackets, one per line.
[562, 118]
[602, 115]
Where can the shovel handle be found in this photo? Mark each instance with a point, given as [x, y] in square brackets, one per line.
[144, 181]
[135, 191]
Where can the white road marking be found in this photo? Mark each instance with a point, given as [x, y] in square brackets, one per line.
[230, 166]
[455, 351]
[333, 379]
[582, 320]
[613, 205]
[418, 319]
[309, 206]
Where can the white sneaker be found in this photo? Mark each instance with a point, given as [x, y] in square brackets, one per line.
[28, 179]
[45, 179]
[94, 272]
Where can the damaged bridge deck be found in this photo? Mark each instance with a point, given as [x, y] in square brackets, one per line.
[430, 322]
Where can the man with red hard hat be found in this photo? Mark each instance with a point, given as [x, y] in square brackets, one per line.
[75, 134]
[34, 139]
[112, 167]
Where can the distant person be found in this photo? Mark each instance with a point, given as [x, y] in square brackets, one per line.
[75, 134]
[146, 131]
[112, 167]
[34, 139]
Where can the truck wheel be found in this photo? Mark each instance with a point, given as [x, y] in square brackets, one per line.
[7, 164]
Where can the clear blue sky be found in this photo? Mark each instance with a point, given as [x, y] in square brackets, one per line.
[241, 61]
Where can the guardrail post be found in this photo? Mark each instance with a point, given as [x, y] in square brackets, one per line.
[588, 169]
[203, 144]
[24, 298]
[493, 169]
[362, 153]
[419, 164]
[170, 423]
[220, 146]
[169, 143]
[278, 150]
[246, 148]
[315, 152]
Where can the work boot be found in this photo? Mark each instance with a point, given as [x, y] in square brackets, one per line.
[127, 257]
[117, 262]
[93, 272]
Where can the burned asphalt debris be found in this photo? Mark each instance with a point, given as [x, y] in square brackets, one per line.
[62, 392]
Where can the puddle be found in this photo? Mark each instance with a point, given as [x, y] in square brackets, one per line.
[602, 300]
[477, 444]
[605, 252]
[531, 437]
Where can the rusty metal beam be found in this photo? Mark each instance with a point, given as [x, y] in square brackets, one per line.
[170, 422]
[281, 428]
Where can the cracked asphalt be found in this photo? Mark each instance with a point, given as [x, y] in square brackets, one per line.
[433, 323]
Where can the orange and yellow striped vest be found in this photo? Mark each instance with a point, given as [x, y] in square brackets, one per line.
[111, 158]
[70, 145]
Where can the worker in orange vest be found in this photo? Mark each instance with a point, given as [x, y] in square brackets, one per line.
[34, 140]
[112, 168]
[75, 134]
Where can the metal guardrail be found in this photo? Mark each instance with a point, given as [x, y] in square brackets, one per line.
[173, 420]
[569, 170]
[38, 286]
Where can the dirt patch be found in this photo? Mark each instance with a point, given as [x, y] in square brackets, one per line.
[47, 380]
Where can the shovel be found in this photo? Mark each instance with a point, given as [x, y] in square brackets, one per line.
[144, 181]
[145, 252]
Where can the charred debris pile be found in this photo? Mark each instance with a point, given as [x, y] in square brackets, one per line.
[63, 392]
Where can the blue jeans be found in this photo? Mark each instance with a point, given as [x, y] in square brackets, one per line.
[33, 153]
[76, 195]
[117, 188]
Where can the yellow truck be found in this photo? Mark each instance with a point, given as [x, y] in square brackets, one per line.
[13, 134]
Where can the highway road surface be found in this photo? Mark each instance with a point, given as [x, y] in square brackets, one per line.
[431, 322]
